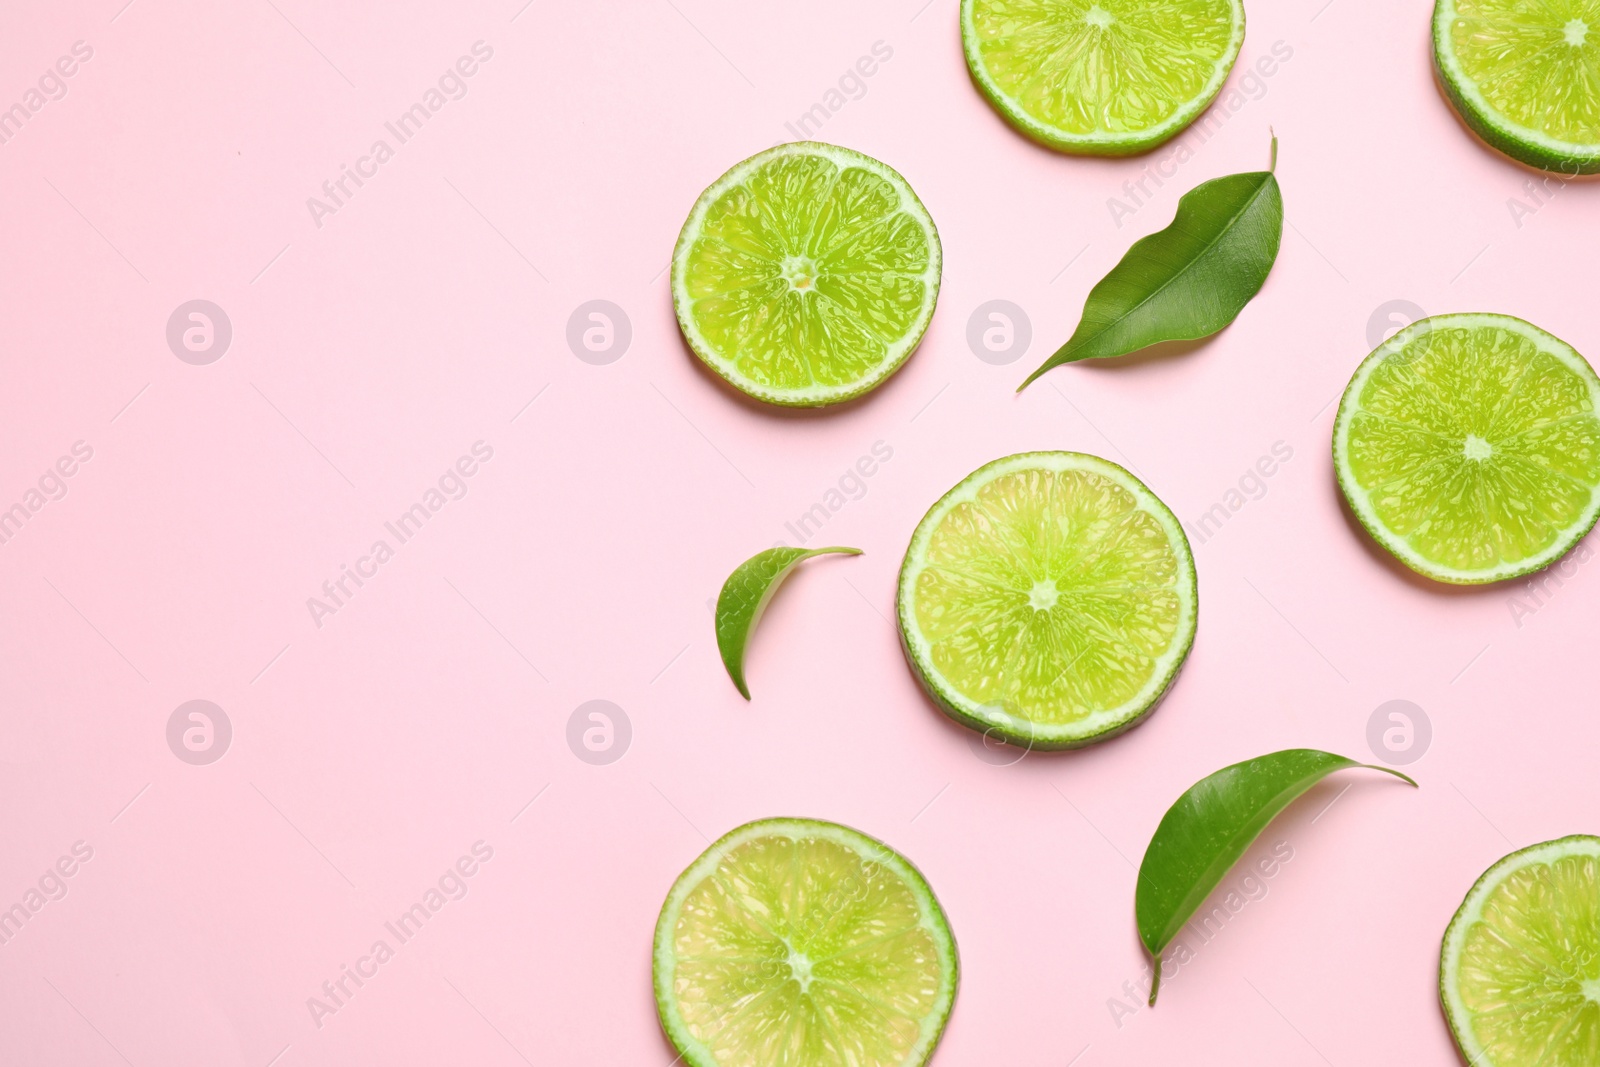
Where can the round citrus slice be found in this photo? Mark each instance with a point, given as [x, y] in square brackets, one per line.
[806, 274]
[1519, 973]
[799, 943]
[1048, 600]
[1468, 446]
[1525, 76]
[1101, 77]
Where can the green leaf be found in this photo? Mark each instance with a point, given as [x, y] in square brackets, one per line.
[746, 594]
[1189, 280]
[1210, 827]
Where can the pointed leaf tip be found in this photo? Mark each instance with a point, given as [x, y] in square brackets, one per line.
[1210, 827]
[745, 596]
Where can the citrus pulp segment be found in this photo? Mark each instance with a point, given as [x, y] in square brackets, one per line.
[801, 943]
[1048, 599]
[1102, 77]
[806, 275]
[1469, 446]
[1519, 971]
[1525, 76]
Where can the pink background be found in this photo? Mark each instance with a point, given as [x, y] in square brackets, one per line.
[368, 354]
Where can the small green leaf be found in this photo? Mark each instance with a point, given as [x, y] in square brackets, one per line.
[1210, 827]
[1189, 280]
[745, 596]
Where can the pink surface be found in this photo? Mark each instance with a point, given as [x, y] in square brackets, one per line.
[375, 746]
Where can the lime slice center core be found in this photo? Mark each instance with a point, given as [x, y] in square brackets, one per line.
[1476, 448]
[800, 969]
[800, 272]
[1577, 32]
[1098, 17]
[1043, 595]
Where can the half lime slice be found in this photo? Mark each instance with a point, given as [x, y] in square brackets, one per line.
[1468, 446]
[1101, 77]
[806, 274]
[1048, 600]
[799, 943]
[1519, 973]
[1525, 76]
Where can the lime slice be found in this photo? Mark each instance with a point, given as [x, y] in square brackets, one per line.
[1049, 600]
[799, 943]
[1525, 76]
[806, 274]
[1101, 77]
[1519, 973]
[1469, 447]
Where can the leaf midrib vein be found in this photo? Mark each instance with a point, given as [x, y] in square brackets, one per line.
[1225, 230]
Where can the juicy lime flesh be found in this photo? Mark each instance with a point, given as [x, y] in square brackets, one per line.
[1051, 594]
[1475, 447]
[801, 951]
[808, 273]
[1103, 66]
[1529, 969]
[1537, 64]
